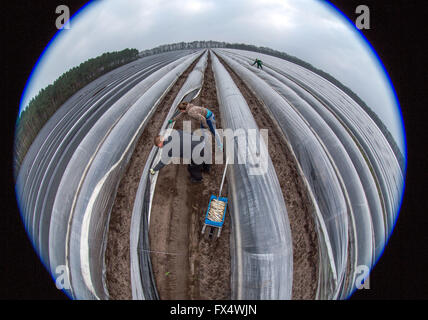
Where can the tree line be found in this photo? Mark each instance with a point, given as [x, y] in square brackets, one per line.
[49, 99]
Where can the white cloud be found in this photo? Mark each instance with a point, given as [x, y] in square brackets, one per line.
[196, 6]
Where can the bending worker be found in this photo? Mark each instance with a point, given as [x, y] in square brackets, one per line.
[259, 63]
[202, 114]
[183, 145]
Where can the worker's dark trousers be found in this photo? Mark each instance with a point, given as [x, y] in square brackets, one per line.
[195, 170]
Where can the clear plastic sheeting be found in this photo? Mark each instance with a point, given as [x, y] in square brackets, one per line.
[142, 280]
[361, 232]
[67, 183]
[376, 149]
[262, 259]
[40, 173]
[364, 160]
[322, 176]
[307, 105]
[88, 187]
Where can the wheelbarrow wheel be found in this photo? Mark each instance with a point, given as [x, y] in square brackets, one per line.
[211, 233]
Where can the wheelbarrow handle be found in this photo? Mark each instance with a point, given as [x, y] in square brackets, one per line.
[222, 180]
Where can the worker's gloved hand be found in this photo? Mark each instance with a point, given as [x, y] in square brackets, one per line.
[169, 121]
[152, 171]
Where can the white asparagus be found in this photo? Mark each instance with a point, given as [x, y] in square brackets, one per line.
[216, 211]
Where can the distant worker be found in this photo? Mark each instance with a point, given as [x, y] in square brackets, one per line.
[184, 146]
[202, 114]
[259, 63]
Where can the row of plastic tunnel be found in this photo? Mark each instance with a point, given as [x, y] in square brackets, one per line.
[349, 169]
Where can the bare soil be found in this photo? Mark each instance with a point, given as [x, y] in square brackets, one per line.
[117, 255]
[186, 264]
[299, 205]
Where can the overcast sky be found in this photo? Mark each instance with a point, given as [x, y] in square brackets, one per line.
[308, 29]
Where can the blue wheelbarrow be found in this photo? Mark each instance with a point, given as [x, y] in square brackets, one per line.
[216, 212]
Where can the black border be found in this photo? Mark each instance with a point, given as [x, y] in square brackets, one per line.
[397, 33]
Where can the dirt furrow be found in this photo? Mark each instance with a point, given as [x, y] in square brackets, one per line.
[185, 264]
[212, 259]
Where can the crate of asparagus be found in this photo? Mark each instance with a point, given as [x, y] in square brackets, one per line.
[216, 211]
[214, 218]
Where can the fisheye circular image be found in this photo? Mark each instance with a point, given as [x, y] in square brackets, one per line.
[209, 150]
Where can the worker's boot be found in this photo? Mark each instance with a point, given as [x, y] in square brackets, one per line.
[195, 172]
[193, 180]
[206, 168]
